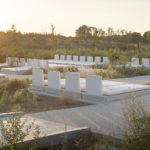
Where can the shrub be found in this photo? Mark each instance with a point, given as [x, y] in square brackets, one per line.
[137, 135]
[14, 84]
[65, 69]
[17, 97]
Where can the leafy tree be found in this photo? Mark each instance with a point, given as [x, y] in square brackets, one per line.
[147, 36]
[83, 32]
[136, 37]
[137, 135]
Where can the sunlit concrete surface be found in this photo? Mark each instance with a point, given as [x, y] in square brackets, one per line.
[102, 117]
[50, 132]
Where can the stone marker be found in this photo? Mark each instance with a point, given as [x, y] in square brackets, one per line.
[94, 85]
[82, 58]
[22, 61]
[37, 77]
[146, 62]
[36, 63]
[134, 62]
[105, 60]
[89, 58]
[69, 58]
[29, 62]
[73, 82]
[56, 57]
[75, 58]
[44, 64]
[97, 60]
[62, 57]
[54, 80]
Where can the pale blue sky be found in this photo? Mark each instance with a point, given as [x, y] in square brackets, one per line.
[68, 15]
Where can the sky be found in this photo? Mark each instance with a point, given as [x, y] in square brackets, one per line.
[68, 15]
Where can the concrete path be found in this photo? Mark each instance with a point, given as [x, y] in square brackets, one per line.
[137, 80]
[104, 117]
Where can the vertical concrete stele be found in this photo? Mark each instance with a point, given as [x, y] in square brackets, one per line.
[82, 58]
[105, 60]
[54, 80]
[29, 62]
[146, 62]
[37, 77]
[36, 63]
[62, 57]
[134, 62]
[89, 58]
[97, 60]
[56, 57]
[75, 58]
[22, 61]
[94, 85]
[69, 58]
[73, 82]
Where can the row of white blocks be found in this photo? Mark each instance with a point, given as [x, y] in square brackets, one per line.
[35, 63]
[82, 58]
[93, 83]
[145, 62]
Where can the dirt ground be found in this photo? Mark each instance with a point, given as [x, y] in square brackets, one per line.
[44, 103]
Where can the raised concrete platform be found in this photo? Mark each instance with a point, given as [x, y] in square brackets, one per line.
[105, 118]
[51, 133]
[16, 70]
[112, 87]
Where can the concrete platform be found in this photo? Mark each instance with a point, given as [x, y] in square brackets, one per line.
[16, 70]
[51, 133]
[112, 87]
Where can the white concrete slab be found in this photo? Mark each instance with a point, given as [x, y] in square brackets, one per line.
[56, 57]
[54, 80]
[37, 77]
[94, 85]
[69, 58]
[73, 82]
[146, 62]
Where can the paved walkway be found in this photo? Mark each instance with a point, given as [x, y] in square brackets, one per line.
[104, 117]
[137, 80]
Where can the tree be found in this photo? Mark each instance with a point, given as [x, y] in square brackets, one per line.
[83, 32]
[136, 38]
[137, 135]
[53, 36]
[146, 36]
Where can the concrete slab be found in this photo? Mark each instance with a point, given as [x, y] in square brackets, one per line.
[51, 133]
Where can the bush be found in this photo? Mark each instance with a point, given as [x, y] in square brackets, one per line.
[16, 98]
[121, 72]
[137, 135]
[65, 69]
[14, 84]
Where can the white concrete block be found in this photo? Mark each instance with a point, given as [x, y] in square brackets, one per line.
[69, 58]
[134, 62]
[146, 62]
[37, 77]
[94, 85]
[89, 58]
[29, 62]
[22, 61]
[54, 80]
[73, 82]
[56, 57]
[82, 58]
[75, 58]
[44, 64]
[62, 57]
[97, 60]
[105, 60]
[36, 63]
